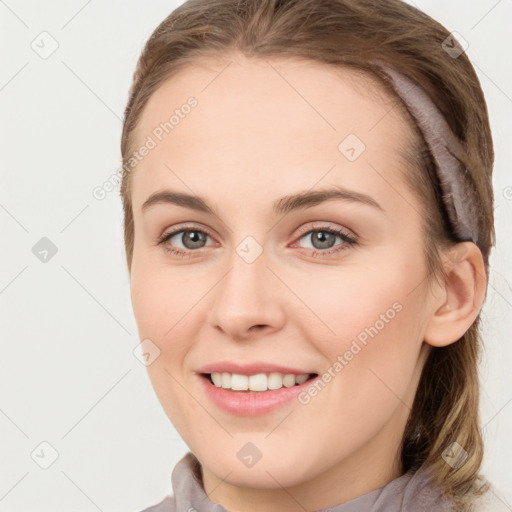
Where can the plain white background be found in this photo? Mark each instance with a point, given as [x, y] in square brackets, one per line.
[69, 378]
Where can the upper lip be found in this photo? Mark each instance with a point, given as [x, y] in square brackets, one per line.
[250, 368]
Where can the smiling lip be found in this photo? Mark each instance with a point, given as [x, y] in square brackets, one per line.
[251, 403]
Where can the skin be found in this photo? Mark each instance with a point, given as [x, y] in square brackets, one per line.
[253, 138]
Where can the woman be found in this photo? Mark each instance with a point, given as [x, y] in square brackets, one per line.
[308, 207]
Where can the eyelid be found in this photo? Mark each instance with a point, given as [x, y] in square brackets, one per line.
[319, 225]
[316, 225]
[184, 227]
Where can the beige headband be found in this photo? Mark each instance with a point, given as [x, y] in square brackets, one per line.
[458, 193]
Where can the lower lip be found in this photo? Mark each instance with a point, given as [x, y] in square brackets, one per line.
[252, 403]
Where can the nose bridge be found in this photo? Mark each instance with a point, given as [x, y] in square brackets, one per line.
[247, 295]
[248, 258]
[245, 284]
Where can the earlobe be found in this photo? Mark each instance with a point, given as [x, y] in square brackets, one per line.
[455, 310]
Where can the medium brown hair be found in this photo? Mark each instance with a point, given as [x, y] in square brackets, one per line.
[353, 34]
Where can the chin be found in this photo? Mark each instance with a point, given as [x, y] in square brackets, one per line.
[278, 466]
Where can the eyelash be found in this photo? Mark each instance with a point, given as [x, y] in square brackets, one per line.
[349, 241]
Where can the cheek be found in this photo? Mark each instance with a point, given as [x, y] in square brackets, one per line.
[362, 303]
[160, 304]
[367, 325]
[161, 298]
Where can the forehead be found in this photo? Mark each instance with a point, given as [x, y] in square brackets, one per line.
[281, 123]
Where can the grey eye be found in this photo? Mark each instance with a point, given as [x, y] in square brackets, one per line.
[191, 238]
[321, 239]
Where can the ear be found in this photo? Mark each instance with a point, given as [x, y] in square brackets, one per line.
[461, 297]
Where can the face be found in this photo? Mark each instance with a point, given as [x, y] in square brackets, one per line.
[333, 287]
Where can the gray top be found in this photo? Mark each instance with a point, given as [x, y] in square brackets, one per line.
[411, 492]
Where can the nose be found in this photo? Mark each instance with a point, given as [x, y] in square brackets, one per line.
[248, 300]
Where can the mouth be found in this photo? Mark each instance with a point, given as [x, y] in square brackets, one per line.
[254, 392]
[257, 383]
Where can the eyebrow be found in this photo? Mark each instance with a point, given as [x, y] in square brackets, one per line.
[284, 205]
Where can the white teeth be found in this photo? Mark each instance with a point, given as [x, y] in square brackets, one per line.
[289, 380]
[217, 379]
[258, 382]
[275, 381]
[300, 379]
[226, 380]
[239, 382]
